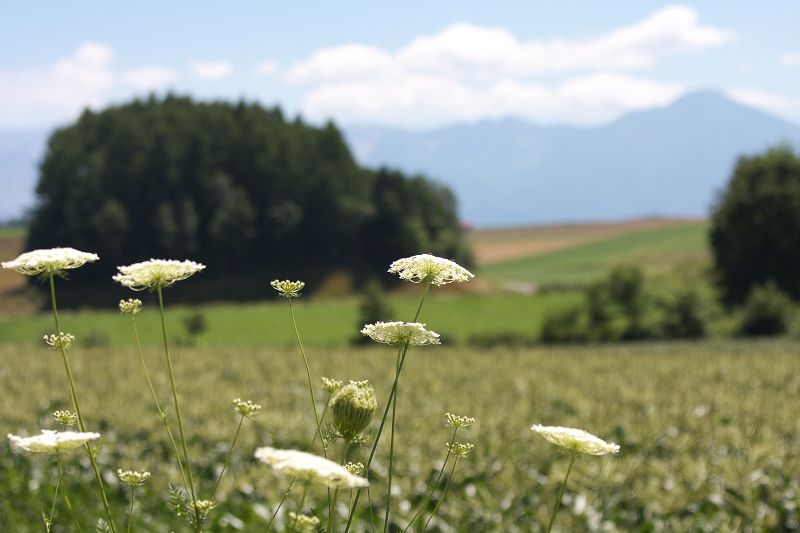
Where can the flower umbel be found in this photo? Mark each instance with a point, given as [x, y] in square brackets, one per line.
[52, 441]
[66, 419]
[331, 385]
[59, 340]
[302, 523]
[246, 407]
[398, 333]
[576, 440]
[133, 478]
[353, 406]
[459, 422]
[155, 273]
[131, 306]
[426, 268]
[460, 449]
[288, 289]
[49, 261]
[354, 468]
[302, 465]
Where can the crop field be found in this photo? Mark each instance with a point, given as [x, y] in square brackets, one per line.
[709, 433]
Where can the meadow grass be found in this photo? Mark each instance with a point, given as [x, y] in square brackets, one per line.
[652, 249]
[709, 432]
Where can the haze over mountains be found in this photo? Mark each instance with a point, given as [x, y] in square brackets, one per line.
[665, 162]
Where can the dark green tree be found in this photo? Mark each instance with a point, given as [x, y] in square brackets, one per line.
[755, 230]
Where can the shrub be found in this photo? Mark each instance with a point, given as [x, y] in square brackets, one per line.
[766, 312]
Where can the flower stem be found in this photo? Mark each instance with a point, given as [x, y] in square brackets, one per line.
[310, 386]
[561, 492]
[49, 522]
[130, 511]
[178, 409]
[444, 493]
[77, 407]
[435, 484]
[332, 508]
[161, 413]
[300, 507]
[391, 448]
[278, 508]
[228, 456]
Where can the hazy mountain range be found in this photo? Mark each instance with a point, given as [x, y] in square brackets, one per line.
[670, 162]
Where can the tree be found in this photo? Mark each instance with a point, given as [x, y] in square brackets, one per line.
[755, 228]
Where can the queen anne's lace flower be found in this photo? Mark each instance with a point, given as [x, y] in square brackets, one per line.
[310, 467]
[352, 407]
[246, 407]
[302, 523]
[355, 468]
[398, 333]
[576, 440]
[133, 478]
[155, 273]
[52, 441]
[59, 341]
[288, 289]
[460, 449]
[331, 385]
[458, 422]
[49, 261]
[131, 306]
[426, 268]
[65, 418]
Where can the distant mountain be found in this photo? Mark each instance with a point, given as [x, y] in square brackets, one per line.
[20, 152]
[670, 161]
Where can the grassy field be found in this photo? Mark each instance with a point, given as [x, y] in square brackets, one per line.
[709, 433]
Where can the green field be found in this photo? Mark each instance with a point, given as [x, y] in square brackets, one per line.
[654, 249]
[709, 433]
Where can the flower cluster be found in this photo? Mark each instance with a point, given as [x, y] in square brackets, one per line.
[355, 468]
[306, 466]
[52, 441]
[65, 418]
[460, 449]
[246, 407]
[49, 261]
[353, 406]
[400, 333]
[426, 268]
[59, 340]
[155, 273]
[331, 385]
[131, 306]
[576, 440]
[133, 478]
[302, 523]
[458, 422]
[288, 289]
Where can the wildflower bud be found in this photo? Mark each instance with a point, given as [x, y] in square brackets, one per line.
[460, 449]
[302, 523]
[131, 306]
[353, 406]
[459, 422]
[354, 468]
[65, 418]
[331, 385]
[133, 478]
[288, 289]
[59, 340]
[246, 407]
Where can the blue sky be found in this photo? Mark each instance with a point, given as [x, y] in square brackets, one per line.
[408, 64]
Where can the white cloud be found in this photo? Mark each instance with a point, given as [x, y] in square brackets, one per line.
[211, 70]
[767, 101]
[473, 51]
[790, 59]
[58, 91]
[149, 77]
[266, 68]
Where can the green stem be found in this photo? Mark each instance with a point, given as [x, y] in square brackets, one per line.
[130, 511]
[77, 407]
[55, 495]
[561, 492]
[278, 508]
[178, 409]
[444, 493]
[399, 368]
[435, 483]
[332, 508]
[71, 511]
[228, 456]
[300, 507]
[321, 419]
[310, 386]
[391, 450]
[161, 413]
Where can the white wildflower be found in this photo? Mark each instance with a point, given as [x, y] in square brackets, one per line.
[246, 407]
[311, 467]
[65, 418]
[155, 273]
[398, 333]
[302, 523]
[576, 440]
[352, 407]
[52, 441]
[458, 422]
[460, 449]
[426, 268]
[49, 261]
[331, 385]
[288, 289]
[355, 468]
[133, 478]
[131, 306]
[61, 340]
